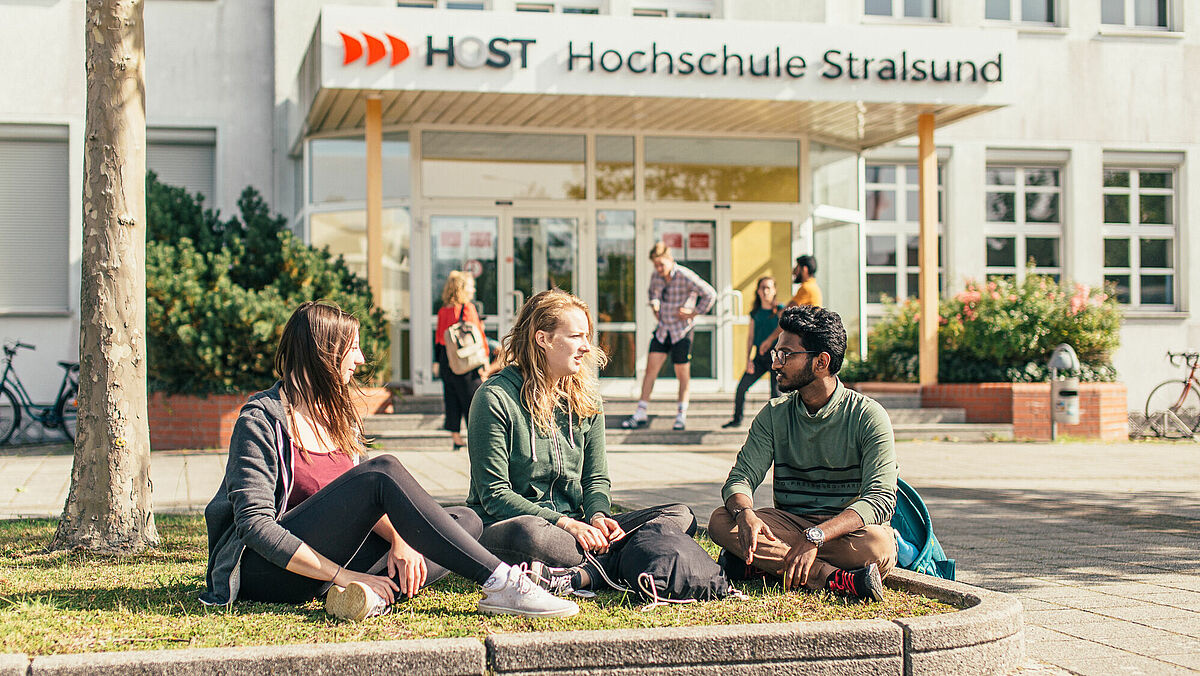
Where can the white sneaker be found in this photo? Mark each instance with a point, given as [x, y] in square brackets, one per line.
[516, 594]
[355, 602]
[680, 421]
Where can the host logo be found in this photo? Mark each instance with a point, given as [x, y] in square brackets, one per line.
[376, 50]
[472, 52]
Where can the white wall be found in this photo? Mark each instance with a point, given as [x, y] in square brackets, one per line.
[1085, 89]
[209, 64]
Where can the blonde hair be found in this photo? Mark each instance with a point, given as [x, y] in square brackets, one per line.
[309, 362]
[455, 290]
[579, 393]
[660, 250]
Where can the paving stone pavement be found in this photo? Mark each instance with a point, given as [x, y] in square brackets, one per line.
[1100, 542]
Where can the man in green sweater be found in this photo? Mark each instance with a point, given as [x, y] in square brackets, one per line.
[835, 473]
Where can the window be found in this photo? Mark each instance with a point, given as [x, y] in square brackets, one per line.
[185, 158]
[1139, 235]
[580, 10]
[679, 9]
[429, 4]
[451, 4]
[548, 7]
[35, 201]
[1135, 13]
[1024, 221]
[1028, 11]
[337, 169]
[534, 7]
[910, 9]
[893, 226]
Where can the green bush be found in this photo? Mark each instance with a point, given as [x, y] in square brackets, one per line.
[999, 331]
[218, 293]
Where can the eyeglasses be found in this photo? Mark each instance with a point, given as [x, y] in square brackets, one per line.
[781, 356]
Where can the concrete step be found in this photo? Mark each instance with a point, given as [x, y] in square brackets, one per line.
[697, 420]
[732, 439]
[706, 403]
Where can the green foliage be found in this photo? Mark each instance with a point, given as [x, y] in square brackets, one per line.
[218, 293]
[999, 331]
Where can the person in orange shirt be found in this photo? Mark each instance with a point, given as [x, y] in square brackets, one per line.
[457, 390]
[808, 293]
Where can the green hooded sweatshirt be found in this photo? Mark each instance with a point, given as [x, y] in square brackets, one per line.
[517, 469]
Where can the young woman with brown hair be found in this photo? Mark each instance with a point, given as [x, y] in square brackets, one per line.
[539, 473]
[301, 510]
[764, 320]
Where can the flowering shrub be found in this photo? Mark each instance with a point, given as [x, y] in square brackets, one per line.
[999, 331]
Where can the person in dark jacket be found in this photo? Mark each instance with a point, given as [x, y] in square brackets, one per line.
[458, 295]
[539, 473]
[300, 511]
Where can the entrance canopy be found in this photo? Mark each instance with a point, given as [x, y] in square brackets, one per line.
[854, 86]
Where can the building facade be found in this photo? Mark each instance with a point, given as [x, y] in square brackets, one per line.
[523, 141]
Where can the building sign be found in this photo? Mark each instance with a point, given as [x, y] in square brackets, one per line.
[414, 49]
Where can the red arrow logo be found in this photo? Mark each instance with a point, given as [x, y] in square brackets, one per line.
[375, 49]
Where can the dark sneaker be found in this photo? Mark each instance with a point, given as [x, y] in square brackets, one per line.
[736, 422]
[737, 570]
[557, 581]
[633, 422]
[861, 583]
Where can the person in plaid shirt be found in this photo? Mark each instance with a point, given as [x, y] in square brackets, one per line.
[677, 296]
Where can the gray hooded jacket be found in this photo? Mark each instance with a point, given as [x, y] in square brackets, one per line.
[253, 495]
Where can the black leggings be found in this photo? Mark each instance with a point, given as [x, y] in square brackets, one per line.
[337, 522]
[762, 365]
[457, 392]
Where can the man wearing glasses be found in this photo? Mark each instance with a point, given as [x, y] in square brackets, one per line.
[835, 473]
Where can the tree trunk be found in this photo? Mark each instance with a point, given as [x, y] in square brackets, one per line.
[108, 507]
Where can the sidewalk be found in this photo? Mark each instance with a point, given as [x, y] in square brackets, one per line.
[1099, 541]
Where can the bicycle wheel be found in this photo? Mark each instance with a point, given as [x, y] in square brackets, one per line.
[1170, 396]
[66, 411]
[10, 415]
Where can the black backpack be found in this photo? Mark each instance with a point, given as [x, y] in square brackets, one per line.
[665, 565]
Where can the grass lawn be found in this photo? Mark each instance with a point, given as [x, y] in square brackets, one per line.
[70, 603]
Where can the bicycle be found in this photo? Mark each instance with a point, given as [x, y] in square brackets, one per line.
[1178, 398]
[14, 399]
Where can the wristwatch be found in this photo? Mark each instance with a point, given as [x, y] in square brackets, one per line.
[737, 511]
[815, 535]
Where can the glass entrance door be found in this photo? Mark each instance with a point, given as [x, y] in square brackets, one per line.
[544, 251]
[838, 247]
[693, 244]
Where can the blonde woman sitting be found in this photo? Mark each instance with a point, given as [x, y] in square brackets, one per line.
[539, 473]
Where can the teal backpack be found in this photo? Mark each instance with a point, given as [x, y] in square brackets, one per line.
[913, 524]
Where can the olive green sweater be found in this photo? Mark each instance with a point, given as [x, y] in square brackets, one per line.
[518, 470]
[843, 456]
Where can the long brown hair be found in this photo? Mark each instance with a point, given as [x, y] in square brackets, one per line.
[308, 361]
[578, 393]
[758, 299]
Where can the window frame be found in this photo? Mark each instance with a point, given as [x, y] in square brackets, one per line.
[1135, 231]
[1016, 14]
[940, 9]
[1020, 229]
[901, 228]
[1129, 14]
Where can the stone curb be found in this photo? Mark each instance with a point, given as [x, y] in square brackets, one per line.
[427, 656]
[985, 637]
[811, 647]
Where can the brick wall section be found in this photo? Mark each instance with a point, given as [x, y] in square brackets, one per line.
[184, 421]
[1103, 412]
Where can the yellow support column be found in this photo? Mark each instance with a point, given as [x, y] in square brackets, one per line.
[374, 124]
[927, 337]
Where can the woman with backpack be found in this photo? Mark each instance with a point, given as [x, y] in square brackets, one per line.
[457, 388]
[539, 473]
[301, 510]
[764, 319]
